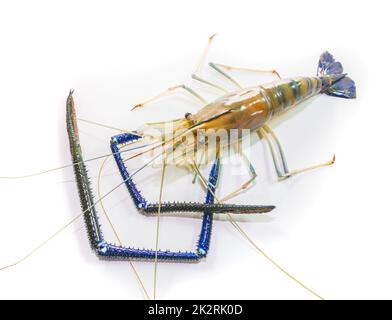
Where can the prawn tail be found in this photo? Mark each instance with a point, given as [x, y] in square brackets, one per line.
[334, 82]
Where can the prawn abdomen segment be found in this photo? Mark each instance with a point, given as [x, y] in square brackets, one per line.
[287, 93]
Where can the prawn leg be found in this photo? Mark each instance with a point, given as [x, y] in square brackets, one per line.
[228, 67]
[200, 64]
[285, 173]
[219, 68]
[185, 87]
[171, 90]
[208, 83]
[246, 184]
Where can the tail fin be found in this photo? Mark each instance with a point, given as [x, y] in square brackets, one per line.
[337, 84]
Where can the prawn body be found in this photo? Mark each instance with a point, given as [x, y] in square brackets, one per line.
[252, 107]
[246, 109]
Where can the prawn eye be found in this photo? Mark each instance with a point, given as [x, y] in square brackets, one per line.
[188, 116]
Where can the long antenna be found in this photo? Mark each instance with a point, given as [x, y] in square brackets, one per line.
[115, 231]
[75, 163]
[42, 244]
[249, 239]
[157, 230]
[77, 217]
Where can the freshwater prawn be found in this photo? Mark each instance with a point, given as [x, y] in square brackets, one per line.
[245, 110]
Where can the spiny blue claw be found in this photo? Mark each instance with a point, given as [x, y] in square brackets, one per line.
[213, 208]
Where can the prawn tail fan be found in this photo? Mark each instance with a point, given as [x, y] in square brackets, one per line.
[334, 82]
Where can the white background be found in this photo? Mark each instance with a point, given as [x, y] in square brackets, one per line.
[331, 228]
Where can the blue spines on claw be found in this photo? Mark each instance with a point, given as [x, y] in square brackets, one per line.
[111, 251]
[107, 250]
[203, 244]
[334, 82]
[139, 200]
